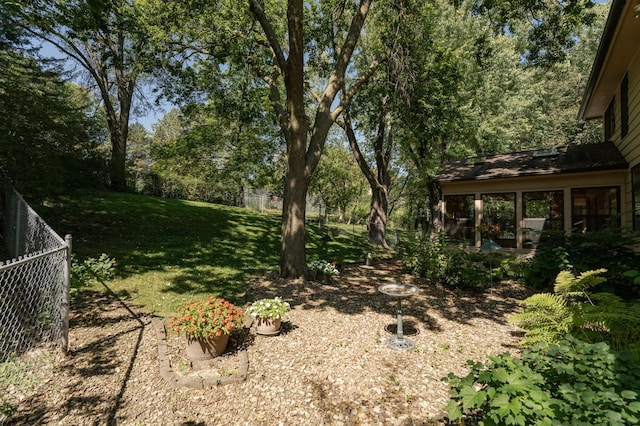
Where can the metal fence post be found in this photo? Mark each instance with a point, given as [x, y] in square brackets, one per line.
[65, 298]
[17, 231]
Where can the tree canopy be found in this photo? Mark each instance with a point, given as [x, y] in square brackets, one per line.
[51, 131]
[260, 85]
[107, 39]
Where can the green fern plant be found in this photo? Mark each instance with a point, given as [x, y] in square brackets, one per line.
[573, 309]
[546, 319]
[610, 319]
[569, 285]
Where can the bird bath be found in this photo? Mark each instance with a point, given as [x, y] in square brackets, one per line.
[399, 291]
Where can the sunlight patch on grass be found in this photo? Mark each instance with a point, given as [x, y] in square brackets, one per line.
[169, 252]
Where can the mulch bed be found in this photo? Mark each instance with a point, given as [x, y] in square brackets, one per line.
[329, 365]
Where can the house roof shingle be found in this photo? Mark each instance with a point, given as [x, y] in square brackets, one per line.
[566, 159]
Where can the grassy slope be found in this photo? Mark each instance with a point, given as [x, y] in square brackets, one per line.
[171, 251]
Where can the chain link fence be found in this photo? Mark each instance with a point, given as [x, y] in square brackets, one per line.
[34, 283]
[265, 201]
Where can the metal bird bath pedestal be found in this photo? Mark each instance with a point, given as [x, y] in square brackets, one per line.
[400, 291]
[490, 246]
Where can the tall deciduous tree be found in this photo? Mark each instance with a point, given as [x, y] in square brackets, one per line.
[393, 32]
[477, 89]
[378, 176]
[305, 137]
[108, 40]
[309, 47]
[300, 53]
[50, 130]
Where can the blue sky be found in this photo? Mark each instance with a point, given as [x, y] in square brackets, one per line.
[149, 118]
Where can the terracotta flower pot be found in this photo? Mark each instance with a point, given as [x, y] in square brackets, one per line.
[201, 349]
[268, 327]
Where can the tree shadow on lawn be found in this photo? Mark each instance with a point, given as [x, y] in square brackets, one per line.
[148, 234]
[355, 291]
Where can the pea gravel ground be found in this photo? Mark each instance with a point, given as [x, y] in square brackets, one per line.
[329, 366]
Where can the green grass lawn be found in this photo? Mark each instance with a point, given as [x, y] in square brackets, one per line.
[169, 252]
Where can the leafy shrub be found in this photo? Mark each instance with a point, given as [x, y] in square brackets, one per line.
[573, 382]
[582, 252]
[550, 258]
[435, 260]
[425, 258]
[90, 270]
[609, 247]
[456, 267]
[502, 266]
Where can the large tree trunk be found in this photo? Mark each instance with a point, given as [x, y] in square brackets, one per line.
[380, 182]
[118, 123]
[434, 207]
[377, 235]
[293, 262]
[118, 171]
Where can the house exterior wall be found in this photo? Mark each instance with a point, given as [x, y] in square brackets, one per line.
[629, 146]
[520, 185]
[619, 55]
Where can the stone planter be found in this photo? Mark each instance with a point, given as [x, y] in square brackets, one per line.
[268, 327]
[205, 349]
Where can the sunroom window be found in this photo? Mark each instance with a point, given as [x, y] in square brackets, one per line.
[499, 218]
[594, 209]
[459, 217]
[542, 210]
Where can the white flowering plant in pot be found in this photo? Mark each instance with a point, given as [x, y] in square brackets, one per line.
[327, 268]
[269, 308]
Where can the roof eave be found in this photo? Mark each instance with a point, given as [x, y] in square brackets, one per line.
[605, 43]
[529, 175]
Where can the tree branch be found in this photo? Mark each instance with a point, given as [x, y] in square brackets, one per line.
[258, 12]
[353, 89]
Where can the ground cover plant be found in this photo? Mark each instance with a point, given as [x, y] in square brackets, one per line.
[169, 252]
[572, 382]
[561, 379]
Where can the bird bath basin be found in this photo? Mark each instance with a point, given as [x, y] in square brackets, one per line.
[399, 291]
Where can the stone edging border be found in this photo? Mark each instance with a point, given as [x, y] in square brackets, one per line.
[167, 373]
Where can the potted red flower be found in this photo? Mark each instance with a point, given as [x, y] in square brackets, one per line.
[207, 325]
[487, 230]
